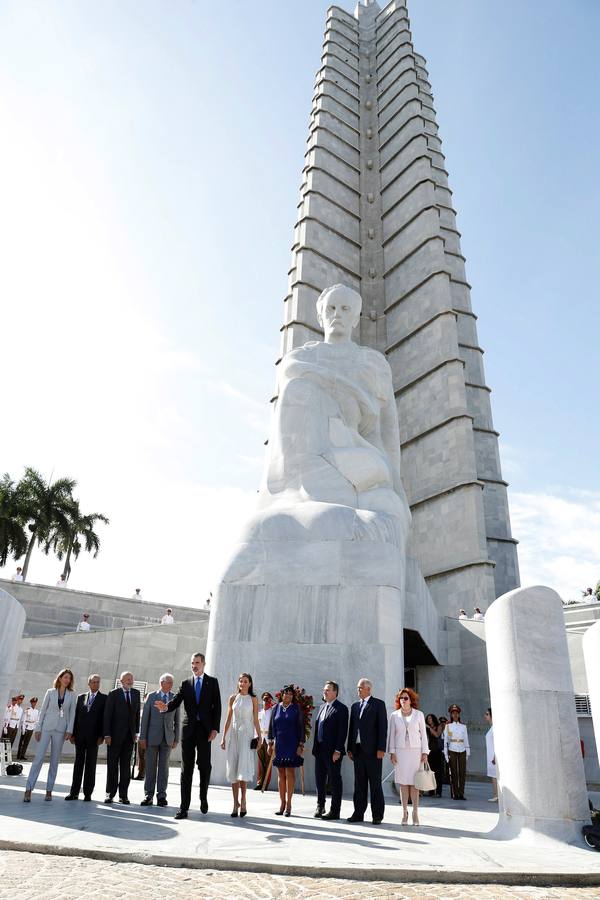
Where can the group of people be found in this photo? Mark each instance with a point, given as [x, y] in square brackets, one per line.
[478, 616]
[277, 732]
[20, 721]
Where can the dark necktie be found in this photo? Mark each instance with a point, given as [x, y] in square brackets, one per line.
[127, 697]
[322, 718]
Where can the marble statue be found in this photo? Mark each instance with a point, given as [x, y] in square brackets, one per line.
[315, 586]
[333, 463]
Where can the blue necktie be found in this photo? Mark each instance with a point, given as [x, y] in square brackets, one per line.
[320, 725]
[198, 686]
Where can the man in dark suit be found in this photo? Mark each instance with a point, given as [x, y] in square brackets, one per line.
[121, 726]
[201, 699]
[88, 734]
[329, 746]
[366, 748]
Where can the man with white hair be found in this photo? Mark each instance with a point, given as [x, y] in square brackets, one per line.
[159, 734]
[367, 741]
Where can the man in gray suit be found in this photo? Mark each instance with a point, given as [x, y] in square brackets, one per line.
[159, 735]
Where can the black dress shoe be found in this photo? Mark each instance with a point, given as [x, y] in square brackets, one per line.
[181, 814]
[355, 818]
[319, 812]
[71, 797]
[147, 801]
[108, 799]
[124, 801]
[204, 806]
[87, 798]
[377, 821]
[331, 816]
[162, 802]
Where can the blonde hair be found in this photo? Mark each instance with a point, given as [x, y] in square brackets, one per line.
[60, 675]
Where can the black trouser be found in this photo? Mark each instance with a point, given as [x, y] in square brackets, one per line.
[326, 768]
[86, 756]
[24, 744]
[195, 747]
[367, 778]
[458, 771]
[118, 767]
[436, 764]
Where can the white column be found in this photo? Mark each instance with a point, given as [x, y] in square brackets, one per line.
[536, 737]
[591, 656]
[12, 616]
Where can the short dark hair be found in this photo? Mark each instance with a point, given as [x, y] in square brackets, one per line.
[335, 686]
[199, 656]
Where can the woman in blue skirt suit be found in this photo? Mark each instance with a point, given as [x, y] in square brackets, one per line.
[286, 731]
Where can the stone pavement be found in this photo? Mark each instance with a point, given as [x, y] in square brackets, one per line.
[455, 844]
[28, 876]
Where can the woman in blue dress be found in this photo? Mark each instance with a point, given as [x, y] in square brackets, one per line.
[286, 730]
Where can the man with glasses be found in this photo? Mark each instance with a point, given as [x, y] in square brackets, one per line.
[367, 742]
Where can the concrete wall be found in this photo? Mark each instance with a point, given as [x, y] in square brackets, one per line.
[52, 610]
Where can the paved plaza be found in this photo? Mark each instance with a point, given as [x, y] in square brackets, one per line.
[29, 876]
[455, 844]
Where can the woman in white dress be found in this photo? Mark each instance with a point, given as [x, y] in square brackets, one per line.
[408, 748]
[491, 755]
[242, 719]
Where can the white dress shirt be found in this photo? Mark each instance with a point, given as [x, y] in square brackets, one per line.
[456, 738]
[29, 720]
[478, 617]
[167, 620]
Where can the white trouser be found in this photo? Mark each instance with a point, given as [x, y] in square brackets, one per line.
[56, 740]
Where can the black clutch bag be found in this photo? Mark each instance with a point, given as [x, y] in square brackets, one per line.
[254, 744]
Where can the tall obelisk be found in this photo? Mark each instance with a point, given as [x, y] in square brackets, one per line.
[376, 213]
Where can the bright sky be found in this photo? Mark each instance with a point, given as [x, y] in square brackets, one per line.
[149, 174]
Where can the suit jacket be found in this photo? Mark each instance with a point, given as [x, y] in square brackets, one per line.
[416, 728]
[207, 712]
[335, 728]
[372, 724]
[89, 721]
[50, 718]
[159, 727]
[122, 722]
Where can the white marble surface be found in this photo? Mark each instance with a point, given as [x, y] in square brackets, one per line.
[536, 737]
[12, 616]
[315, 587]
[591, 656]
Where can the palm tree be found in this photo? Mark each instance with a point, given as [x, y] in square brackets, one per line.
[47, 506]
[13, 537]
[79, 535]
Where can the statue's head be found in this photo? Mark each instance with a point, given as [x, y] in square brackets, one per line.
[338, 311]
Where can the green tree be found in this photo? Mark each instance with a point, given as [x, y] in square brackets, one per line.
[79, 535]
[47, 507]
[13, 536]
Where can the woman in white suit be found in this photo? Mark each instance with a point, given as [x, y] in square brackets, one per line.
[54, 727]
[408, 748]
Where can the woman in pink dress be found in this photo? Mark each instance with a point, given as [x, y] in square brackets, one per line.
[408, 748]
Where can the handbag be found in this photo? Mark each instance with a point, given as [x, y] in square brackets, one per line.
[14, 769]
[254, 743]
[425, 778]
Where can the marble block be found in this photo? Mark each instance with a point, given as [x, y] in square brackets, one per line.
[536, 738]
[591, 656]
[12, 616]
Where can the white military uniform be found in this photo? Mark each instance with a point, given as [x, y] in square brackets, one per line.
[84, 626]
[167, 620]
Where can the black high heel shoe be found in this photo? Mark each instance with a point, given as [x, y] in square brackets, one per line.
[281, 810]
[243, 811]
[234, 814]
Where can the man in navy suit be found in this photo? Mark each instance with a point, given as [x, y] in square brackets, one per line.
[367, 741]
[329, 746]
[201, 700]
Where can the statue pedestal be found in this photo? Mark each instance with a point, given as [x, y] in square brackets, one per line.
[307, 612]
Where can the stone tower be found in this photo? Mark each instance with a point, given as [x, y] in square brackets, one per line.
[376, 213]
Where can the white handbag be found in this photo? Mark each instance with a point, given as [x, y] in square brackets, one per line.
[425, 778]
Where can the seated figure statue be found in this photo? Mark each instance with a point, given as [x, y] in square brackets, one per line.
[333, 461]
